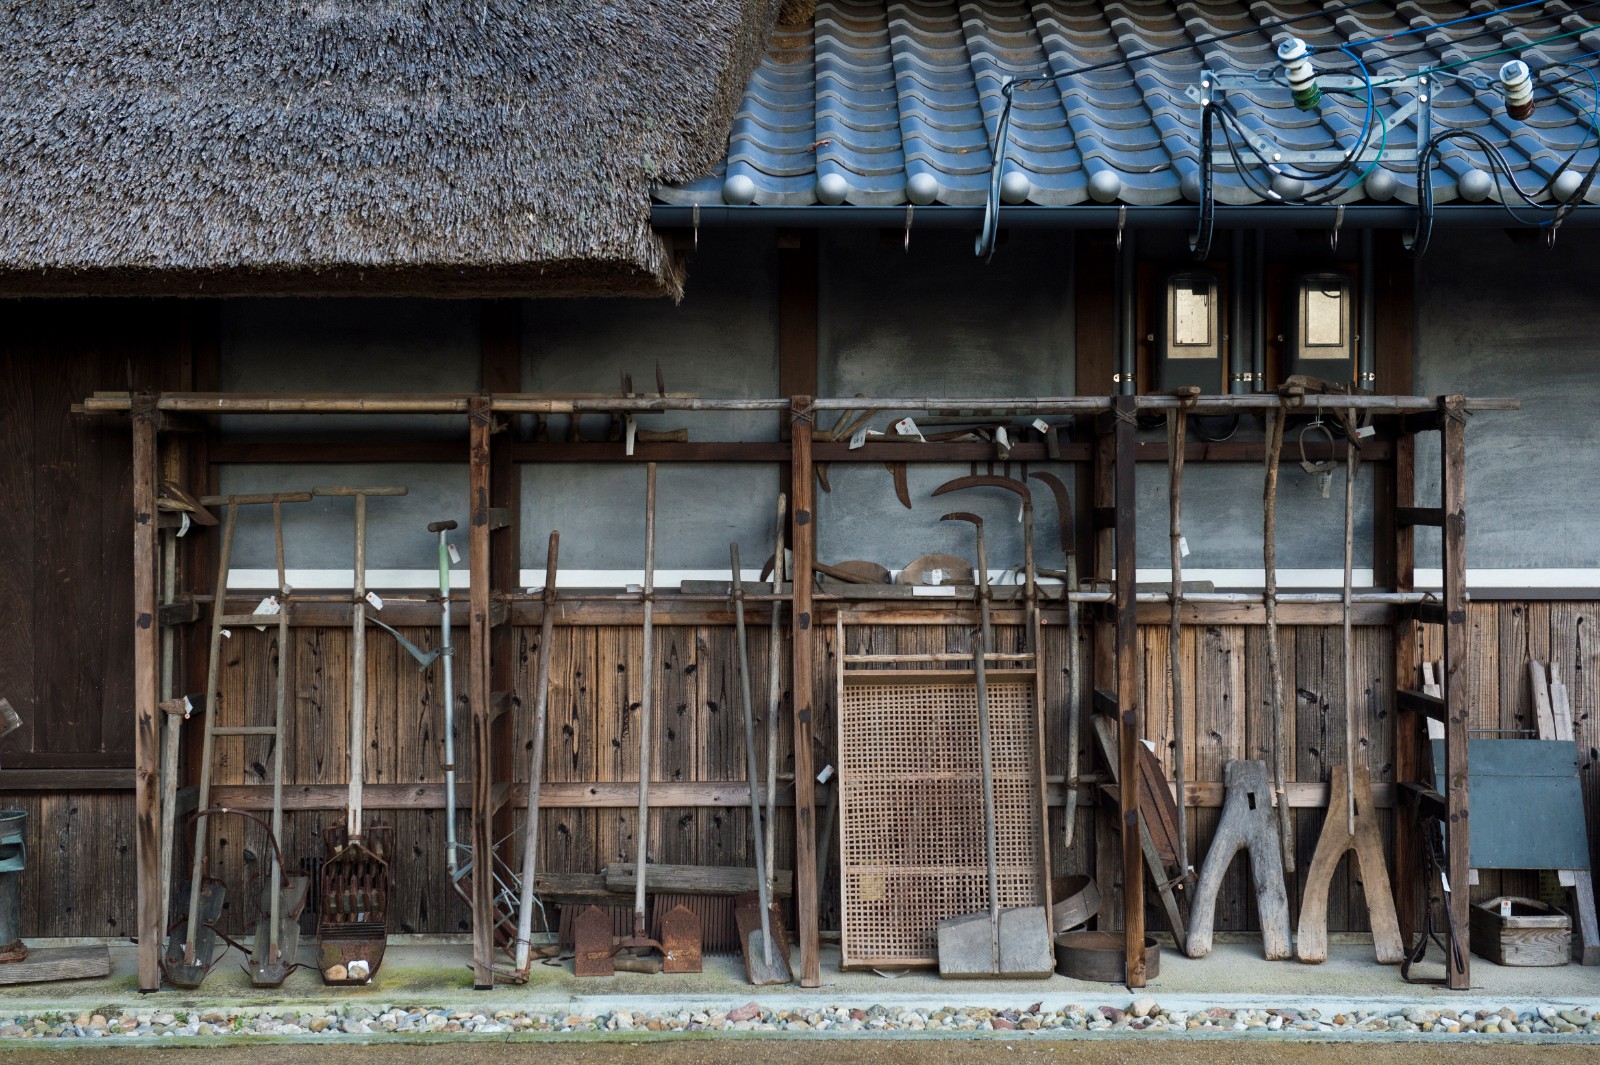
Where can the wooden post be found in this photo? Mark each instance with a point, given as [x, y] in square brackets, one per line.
[1103, 654]
[1408, 731]
[481, 426]
[1458, 715]
[804, 539]
[500, 343]
[146, 748]
[1131, 727]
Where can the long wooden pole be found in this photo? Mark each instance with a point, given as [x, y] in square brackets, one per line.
[481, 427]
[146, 648]
[1458, 712]
[802, 488]
[1269, 551]
[646, 702]
[1129, 710]
[1177, 425]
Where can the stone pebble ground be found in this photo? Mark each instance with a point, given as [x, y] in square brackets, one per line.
[1141, 1015]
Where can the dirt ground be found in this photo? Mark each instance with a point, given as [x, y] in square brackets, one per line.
[990, 1051]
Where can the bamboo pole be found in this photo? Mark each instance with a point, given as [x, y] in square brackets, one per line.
[1269, 548]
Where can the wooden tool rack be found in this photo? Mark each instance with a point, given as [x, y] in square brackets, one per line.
[1106, 461]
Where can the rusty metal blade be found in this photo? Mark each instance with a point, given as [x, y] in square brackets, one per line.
[901, 490]
[1065, 528]
[982, 480]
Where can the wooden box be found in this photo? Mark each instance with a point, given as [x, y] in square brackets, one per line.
[1533, 934]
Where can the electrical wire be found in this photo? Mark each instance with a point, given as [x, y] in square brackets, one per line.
[985, 244]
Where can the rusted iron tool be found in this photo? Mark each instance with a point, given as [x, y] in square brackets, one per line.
[541, 701]
[1013, 943]
[352, 929]
[1030, 588]
[1069, 549]
[762, 964]
[189, 956]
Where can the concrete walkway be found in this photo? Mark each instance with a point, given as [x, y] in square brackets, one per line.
[435, 972]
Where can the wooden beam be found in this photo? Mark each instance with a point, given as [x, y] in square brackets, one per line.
[1129, 705]
[500, 339]
[803, 636]
[1457, 665]
[1416, 702]
[556, 795]
[146, 695]
[479, 685]
[364, 448]
[601, 608]
[68, 780]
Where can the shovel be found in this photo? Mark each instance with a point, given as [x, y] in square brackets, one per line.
[352, 929]
[763, 964]
[1013, 943]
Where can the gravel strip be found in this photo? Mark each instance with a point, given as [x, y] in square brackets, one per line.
[1141, 1015]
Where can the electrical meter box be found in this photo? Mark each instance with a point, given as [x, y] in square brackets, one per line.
[1190, 344]
[1322, 331]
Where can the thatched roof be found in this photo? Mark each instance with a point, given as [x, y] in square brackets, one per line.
[358, 146]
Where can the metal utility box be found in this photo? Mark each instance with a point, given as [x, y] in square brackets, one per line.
[1190, 343]
[1321, 339]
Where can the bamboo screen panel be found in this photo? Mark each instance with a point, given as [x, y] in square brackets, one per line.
[911, 808]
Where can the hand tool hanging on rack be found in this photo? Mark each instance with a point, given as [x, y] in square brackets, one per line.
[1015, 942]
[763, 962]
[452, 857]
[541, 703]
[352, 929]
[595, 951]
[1357, 830]
[189, 953]
[775, 699]
[1269, 550]
[1030, 587]
[1069, 549]
[1177, 424]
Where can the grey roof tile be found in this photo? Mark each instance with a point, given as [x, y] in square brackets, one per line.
[883, 102]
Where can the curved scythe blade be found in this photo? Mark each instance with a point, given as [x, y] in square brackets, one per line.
[1064, 524]
[987, 481]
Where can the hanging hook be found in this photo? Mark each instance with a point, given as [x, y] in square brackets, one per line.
[1122, 223]
[1338, 222]
[910, 208]
[696, 219]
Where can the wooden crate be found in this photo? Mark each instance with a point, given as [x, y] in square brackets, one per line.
[1534, 934]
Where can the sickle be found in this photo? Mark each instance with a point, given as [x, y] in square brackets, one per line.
[1064, 523]
[987, 481]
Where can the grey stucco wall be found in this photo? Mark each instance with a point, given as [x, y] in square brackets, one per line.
[926, 322]
[1519, 320]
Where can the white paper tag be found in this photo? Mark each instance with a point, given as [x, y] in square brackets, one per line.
[455, 556]
[936, 576]
[826, 774]
[1365, 431]
[375, 600]
[188, 708]
[907, 427]
[858, 438]
[184, 523]
[1445, 880]
[1505, 908]
[1041, 425]
[1002, 438]
[227, 634]
[269, 605]
[1183, 547]
[630, 431]
[928, 589]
